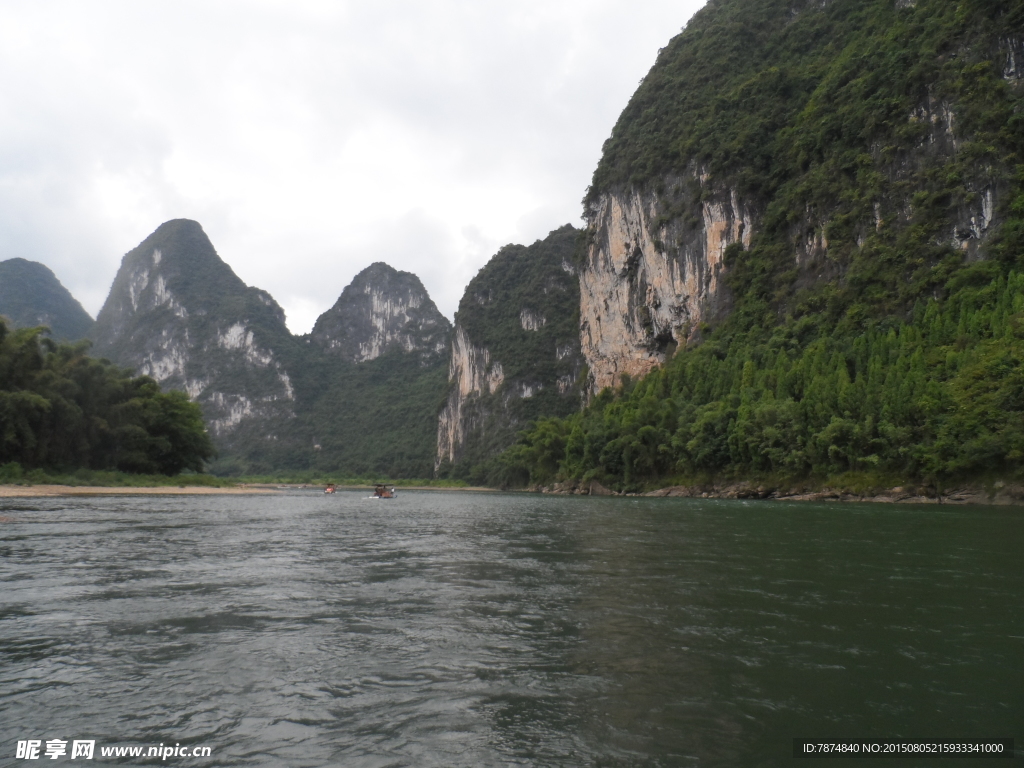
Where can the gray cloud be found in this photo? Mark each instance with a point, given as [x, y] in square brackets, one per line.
[309, 138]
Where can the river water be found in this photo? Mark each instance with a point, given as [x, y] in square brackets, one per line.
[477, 629]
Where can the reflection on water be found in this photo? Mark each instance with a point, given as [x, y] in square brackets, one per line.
[464, 629]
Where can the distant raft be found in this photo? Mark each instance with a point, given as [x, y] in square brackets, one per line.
[384, 492]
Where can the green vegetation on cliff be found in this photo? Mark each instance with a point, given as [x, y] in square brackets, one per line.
[375, 418]
[938, 398]
[61, 409]
[894, 133]
[523, 309]
[770, 90]
[378, 417]
[533, 279]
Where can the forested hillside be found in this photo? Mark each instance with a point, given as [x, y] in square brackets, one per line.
[375, 369]
[375, 418]
[870, 314]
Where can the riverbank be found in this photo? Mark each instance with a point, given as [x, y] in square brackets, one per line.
[1000, 493]
[53, 490]
[34, 491]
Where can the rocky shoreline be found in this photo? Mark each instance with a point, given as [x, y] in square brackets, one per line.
[1002, 494]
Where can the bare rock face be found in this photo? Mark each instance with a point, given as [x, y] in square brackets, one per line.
[382, 309]
[178, 313]
[515, 353]
[648, 281]
[471, 375]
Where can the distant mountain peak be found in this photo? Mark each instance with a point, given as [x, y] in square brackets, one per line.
[382, 308]
[31, 295]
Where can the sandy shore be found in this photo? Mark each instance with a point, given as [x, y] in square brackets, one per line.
[25, 491]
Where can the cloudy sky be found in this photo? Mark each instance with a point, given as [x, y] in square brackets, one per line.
[310, 139]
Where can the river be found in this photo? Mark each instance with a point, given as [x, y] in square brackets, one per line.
[480, 629]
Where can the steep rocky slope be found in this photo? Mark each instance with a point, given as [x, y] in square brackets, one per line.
[178, 313]
[31, 295]
[382, 308]
[515, 353]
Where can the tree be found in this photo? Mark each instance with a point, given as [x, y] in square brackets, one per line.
[61, 409]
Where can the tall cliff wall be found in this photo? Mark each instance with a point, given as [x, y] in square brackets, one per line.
[823, 201]
[515, 353]
[471, 376]
[648, 281]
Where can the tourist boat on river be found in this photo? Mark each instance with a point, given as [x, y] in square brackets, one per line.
[384, 492]
[329, 488]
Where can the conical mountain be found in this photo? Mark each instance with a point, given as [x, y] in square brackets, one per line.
[382, 308]
[31, 295]
[178, 313]
[379, 361]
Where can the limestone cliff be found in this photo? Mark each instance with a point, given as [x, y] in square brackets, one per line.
[471, 375]
[649, 281]
[359, 396]
[382, 308]
[178, 313]
[515, 353]
[824, 169]
[813, 211]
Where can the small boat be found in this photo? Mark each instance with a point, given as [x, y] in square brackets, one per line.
[329, 488]
[384, 492]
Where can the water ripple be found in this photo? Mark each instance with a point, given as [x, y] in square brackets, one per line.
[462, 629]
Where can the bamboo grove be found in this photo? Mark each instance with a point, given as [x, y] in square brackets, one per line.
[62, 409]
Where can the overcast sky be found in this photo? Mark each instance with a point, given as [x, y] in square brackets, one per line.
[310, 139]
